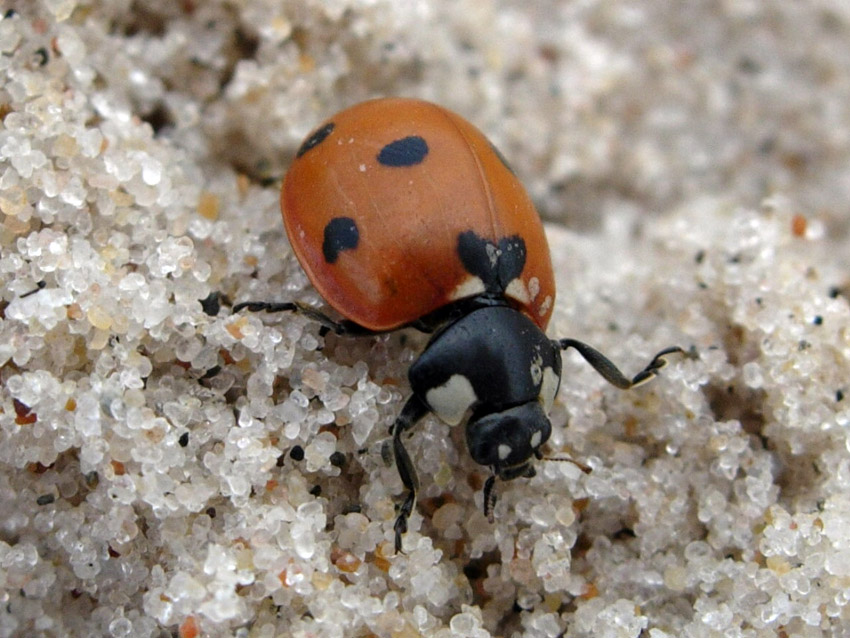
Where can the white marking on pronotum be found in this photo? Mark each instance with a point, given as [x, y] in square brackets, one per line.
[534, 441]
[469, 287]
[533, 287]
[536, 369]
[546, 306]
[516, 290]
[451, 400]
[504, 451]
[549, 388]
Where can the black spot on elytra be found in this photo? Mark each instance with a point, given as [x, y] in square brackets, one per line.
[496, 266]
[315, 139]
[340, 234]
[408, 151]
[501, 157]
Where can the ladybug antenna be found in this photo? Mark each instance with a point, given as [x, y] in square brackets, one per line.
[566, 459]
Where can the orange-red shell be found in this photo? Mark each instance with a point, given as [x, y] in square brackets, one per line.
[403, 261]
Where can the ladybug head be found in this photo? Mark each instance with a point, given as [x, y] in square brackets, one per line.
[507, 440]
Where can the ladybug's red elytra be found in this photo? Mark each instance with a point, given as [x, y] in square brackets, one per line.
[403, 214]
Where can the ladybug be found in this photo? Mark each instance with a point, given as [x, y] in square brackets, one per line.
[403, 214]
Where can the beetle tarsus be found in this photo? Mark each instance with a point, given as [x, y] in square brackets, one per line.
[658, 362]
[489, 498]
[412, 411]
[39, 286]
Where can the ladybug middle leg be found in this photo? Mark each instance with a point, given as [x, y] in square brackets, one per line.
[344, 327]
[412, 412]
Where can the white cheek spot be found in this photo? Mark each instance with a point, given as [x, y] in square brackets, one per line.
[451, 400]
[516, 290]
[535, 440]
[536, 370]
[549, 388]
[504, 451]
[470, 287]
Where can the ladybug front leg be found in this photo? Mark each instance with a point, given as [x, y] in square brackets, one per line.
[412, 411]
[344, 327]
[610, 372]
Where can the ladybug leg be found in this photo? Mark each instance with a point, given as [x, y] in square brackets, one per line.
[610, 372]
[344, 327]
[39, 286]
[412, 411]
[525, 470]
[489, 497]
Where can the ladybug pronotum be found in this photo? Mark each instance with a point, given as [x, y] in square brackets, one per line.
[404, 215]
